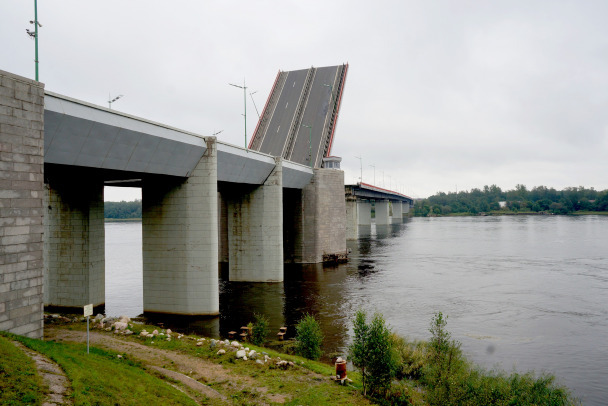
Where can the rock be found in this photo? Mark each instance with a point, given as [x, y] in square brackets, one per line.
[99, 317]
[212, 344]
[227, 342]
[168, 338]
[120, 325]
[240, 354]
[124, 319]
[259, 361]
[155, 333]
[245, 358]
[119, 356]
[252, 354]
[169, 331]
[235, 344]
[128, 332]
[143, 333]
[199, 343]
[108, 328]
[220, 352]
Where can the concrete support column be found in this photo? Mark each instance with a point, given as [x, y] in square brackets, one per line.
[21, 207]
[364, 213]
[74, 242]
[352, 220]
[180, 240]
[323, 219]
[405, 208]
[222, 207]
[255, 231]
[382, 215]
[397, 212]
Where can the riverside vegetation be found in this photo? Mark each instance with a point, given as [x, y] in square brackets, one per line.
[133, 363]
[520, 200]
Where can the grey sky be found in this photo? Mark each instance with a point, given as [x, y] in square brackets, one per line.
[439, 94]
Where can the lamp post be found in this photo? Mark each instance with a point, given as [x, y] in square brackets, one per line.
[34, 34]
[245, 99]
[253, 101]
[374, 166]
[361, 165]
[309, 142]
[110, 100]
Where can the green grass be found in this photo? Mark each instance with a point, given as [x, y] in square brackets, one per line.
[19, 380]
[101, 378]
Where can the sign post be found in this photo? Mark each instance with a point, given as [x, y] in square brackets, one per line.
[88, 311]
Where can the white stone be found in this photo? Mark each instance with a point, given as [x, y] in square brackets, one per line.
[222, 351]
[119, 326]
[235, 344]
[240, 354]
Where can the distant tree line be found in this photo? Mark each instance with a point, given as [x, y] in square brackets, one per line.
[492, 199]
[122, 210]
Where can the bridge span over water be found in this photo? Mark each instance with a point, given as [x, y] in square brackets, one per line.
[203, 202]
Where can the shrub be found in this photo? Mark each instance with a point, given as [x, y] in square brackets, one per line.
[372, 353]
[260, 329]
[410, 357]
[309, 338]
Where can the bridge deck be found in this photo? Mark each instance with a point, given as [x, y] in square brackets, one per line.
[307, 97]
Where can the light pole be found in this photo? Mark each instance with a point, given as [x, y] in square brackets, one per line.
[309, 142]
[256, 107]
[374, 166]
[34, 34]
[110, 100]
[361, 165]
[245, 99]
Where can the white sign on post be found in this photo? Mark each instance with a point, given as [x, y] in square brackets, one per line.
[88, 310]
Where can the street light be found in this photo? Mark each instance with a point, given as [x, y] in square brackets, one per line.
[245, 99]
[374, 166]
[256, 107]
[361, 164]
[34, 34]
[309, 142]
[113, 100]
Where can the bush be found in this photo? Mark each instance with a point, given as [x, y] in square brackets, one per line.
[372, 353]
[410, 357]
[309, 338]
[260, 329]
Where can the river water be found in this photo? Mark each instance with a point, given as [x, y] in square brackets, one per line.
[521, 292]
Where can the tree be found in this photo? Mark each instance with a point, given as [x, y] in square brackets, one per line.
[309, 338]
[260, 329]
[372, 353]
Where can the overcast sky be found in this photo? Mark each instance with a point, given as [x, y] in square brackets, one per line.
[440, 95]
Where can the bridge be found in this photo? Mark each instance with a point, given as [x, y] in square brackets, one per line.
[203, 202]
[389, 207]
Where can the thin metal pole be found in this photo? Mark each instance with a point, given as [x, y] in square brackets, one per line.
[361, 164]
[36, 35]
[245, 98]
[87, 334]
[374, 166]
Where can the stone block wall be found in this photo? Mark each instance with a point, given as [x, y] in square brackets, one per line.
[21, 213]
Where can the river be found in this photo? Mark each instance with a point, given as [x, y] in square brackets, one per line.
[520, 292]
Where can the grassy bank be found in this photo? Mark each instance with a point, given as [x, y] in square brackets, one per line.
[19, 381]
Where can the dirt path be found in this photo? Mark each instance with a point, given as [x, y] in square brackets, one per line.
[193, 373]
[52, 376]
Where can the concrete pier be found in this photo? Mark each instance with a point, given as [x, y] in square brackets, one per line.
[352, 219]
[180, 240]
[364, 212]
[397, 216]
[74, 241]
[21, 207]
[255, 230]
[382, 212]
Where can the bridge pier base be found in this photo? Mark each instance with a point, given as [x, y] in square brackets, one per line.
[352, 220]
[255, 230]
[397, 213]
[74, 243]
[382, 212]
[180, 241]
[319, 221]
